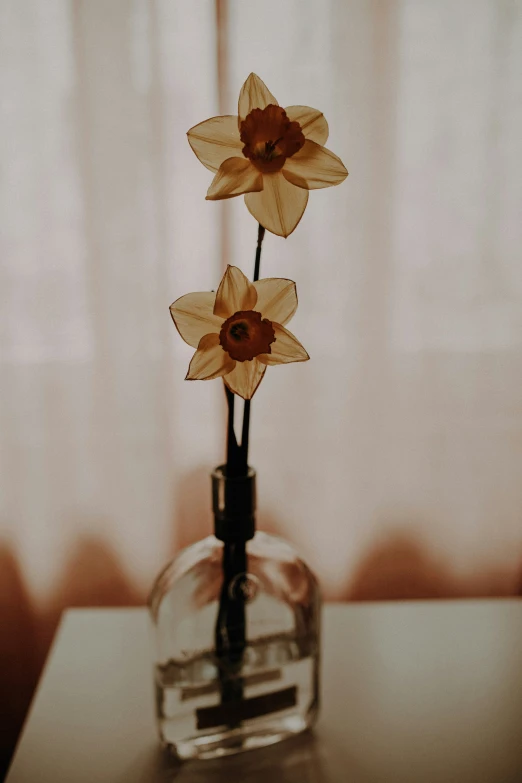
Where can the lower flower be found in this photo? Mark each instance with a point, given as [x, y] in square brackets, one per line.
[239, 330]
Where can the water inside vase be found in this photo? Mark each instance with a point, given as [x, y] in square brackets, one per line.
[278, 682]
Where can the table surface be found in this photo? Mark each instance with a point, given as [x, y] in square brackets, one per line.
[424, 691]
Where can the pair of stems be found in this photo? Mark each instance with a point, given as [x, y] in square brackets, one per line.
[237, 454]
[230, 630]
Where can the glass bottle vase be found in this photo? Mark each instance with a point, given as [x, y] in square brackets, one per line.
[237, 636]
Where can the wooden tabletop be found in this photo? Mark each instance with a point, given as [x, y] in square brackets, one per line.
[420, 692]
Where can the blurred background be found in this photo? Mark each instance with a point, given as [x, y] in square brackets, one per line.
[393, 459]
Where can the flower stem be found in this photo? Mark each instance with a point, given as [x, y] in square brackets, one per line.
[246, 410]
[233, 453]
[230, 629]
[260, 237]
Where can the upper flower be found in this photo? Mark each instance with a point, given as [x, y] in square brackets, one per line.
[239, 330]
[273, 155]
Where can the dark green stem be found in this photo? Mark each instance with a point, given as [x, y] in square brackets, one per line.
[233, 452]
[246, 410]
[230, 631]
[260, 237]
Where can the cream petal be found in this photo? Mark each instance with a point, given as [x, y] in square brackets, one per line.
[312, 122]
[285, 349]
[215, 140]
[235, 176]
[314, 167]
[210, 360]
[254, 95]
[245, 378]
[193, 316]
[276, 299]
[235, 292]
[279, 206]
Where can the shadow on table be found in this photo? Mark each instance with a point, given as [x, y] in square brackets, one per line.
[296, 760]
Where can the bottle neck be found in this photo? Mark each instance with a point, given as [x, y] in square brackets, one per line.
[234, 505]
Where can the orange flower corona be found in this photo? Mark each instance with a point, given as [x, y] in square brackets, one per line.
[246, 334]
[270, 138]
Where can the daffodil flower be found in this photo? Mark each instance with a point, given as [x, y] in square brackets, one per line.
[239, 330]
[273, 155]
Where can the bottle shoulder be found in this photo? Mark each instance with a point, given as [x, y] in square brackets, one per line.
[271, 561]
[204, 555]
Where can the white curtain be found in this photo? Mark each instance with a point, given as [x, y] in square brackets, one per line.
[392, 458]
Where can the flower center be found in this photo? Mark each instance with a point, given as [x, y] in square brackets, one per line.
[246, 334]
[270, 138]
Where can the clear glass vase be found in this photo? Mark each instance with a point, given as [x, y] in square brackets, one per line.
[237, 637]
